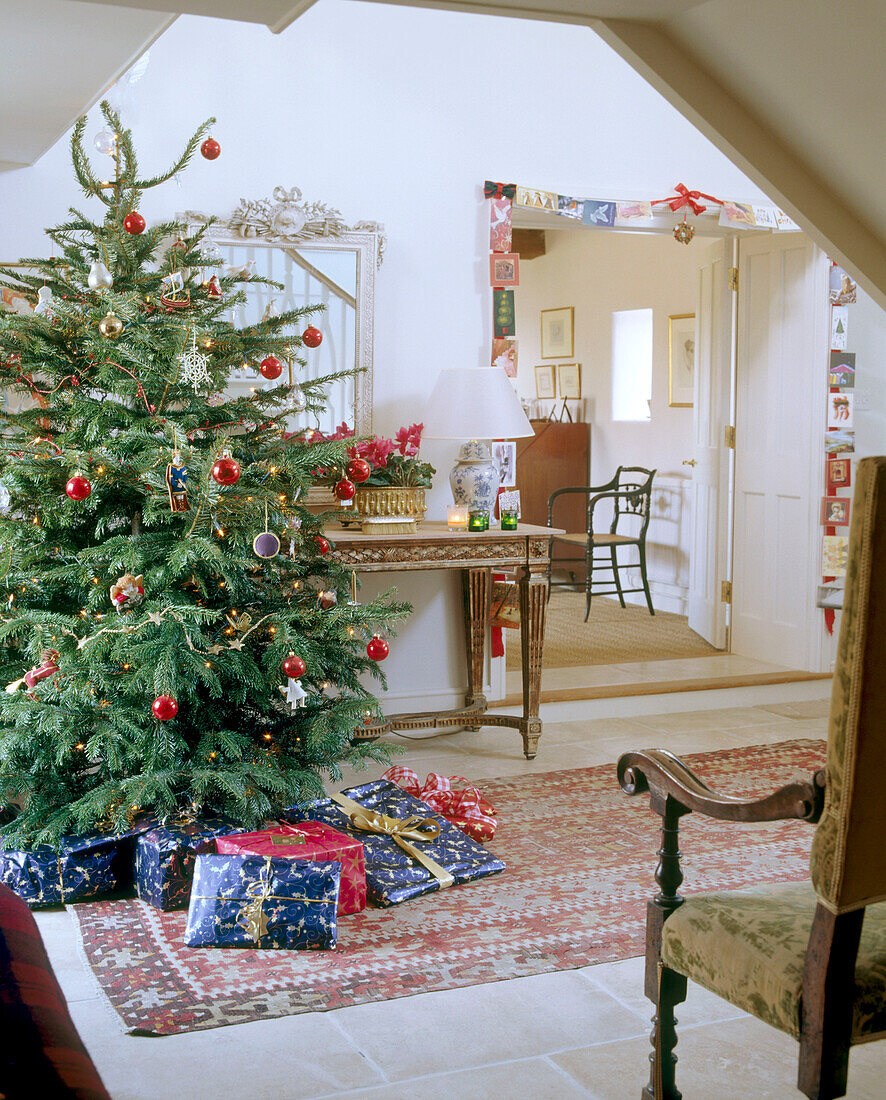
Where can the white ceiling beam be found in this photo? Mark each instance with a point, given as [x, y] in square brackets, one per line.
[276, 15]
[77, 51]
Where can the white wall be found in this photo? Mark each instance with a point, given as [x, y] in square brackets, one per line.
[396, 115]
[867, 338]
[598, 272]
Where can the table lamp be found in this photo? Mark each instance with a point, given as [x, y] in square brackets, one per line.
[474, 403]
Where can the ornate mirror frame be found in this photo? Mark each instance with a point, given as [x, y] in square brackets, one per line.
[285, 220]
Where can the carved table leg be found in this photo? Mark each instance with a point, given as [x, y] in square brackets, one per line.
[533, 603]
[476, 611]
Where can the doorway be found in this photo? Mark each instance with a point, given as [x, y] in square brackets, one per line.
[601, 273]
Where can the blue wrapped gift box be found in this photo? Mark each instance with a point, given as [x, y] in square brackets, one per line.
[164, 859]
[263, 901]
[393, 874]
[83, 866]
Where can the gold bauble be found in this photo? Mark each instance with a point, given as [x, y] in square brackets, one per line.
[110, 325]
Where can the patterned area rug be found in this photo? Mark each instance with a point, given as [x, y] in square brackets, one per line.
[612, 635]
[580, 857]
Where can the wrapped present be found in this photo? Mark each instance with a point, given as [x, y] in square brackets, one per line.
[164, 858]
[409, 851]
[311, 840]
[466, 808]
[82, 866]
[258, 901]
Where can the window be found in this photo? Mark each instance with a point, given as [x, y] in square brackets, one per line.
[632, 364]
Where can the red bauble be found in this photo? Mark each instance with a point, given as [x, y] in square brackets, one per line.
[226, 471]
[271, 367]
[78, 487]
[134, 223]
[345, 489]
[164, 707]
[378, 648]
[210, 148]
[293, 667]
[312, 337]
[213, 290]
[322, 544]
[358, 469]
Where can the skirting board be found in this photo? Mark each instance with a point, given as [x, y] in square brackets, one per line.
[418, 701]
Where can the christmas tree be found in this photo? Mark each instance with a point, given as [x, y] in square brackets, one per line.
[176, 662]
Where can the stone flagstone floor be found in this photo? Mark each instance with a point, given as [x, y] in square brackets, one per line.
[580, 1033]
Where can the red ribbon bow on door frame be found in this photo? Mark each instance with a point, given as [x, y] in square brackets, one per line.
[685, 197]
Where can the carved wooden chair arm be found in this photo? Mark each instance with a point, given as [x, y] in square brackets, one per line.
[666, 777]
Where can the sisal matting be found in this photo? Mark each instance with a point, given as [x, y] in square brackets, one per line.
[612, 635]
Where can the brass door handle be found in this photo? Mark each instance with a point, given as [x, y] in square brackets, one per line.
[689, 462]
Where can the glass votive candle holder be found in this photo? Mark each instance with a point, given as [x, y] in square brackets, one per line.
[478, 521]
[457, 517]
[509, 519]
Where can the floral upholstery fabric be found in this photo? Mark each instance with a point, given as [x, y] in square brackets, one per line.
[848, 864]
[749, 946]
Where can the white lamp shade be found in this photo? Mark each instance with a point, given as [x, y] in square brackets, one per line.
[474, 403]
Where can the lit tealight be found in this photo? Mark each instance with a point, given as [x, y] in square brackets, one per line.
[457, 517]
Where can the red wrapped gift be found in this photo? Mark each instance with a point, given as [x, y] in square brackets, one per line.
[308, 840]
[466, 808]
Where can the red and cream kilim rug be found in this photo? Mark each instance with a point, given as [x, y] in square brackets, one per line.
[580, 857]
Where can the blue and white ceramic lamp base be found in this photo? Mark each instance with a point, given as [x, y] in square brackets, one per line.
[474, 478]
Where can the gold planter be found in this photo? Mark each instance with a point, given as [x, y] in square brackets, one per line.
[389, 509]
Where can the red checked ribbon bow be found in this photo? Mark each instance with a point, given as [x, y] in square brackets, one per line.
[467, 808]
[685, 197]
[499, 190]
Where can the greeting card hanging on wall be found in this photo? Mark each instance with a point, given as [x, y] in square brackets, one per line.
[840, 434]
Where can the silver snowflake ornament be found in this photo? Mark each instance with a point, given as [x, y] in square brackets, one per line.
[192, 366]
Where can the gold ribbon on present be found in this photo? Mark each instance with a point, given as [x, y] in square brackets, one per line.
[290, 836]
[253, 919]
[401, 830]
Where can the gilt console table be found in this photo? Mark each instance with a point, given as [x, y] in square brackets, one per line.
[525, 552]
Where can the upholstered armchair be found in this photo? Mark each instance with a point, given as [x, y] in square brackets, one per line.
[807, 958]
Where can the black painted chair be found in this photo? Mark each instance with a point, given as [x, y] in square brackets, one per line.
[631, 494]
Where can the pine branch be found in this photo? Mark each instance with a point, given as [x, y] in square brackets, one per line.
[183, 161]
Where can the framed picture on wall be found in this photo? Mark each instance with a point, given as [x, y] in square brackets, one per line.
[681, 360]
[545, 384]
[569, 379]
[556, 333]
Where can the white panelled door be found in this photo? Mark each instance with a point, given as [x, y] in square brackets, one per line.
[709, 496]
[782, 308]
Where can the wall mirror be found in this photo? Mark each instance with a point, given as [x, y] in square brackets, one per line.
[319, 260]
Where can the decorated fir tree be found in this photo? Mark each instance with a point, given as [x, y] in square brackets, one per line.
[185, 641]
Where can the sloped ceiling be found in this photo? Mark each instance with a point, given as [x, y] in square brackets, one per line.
[275, 14]
[57, 58]
[790, 90]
